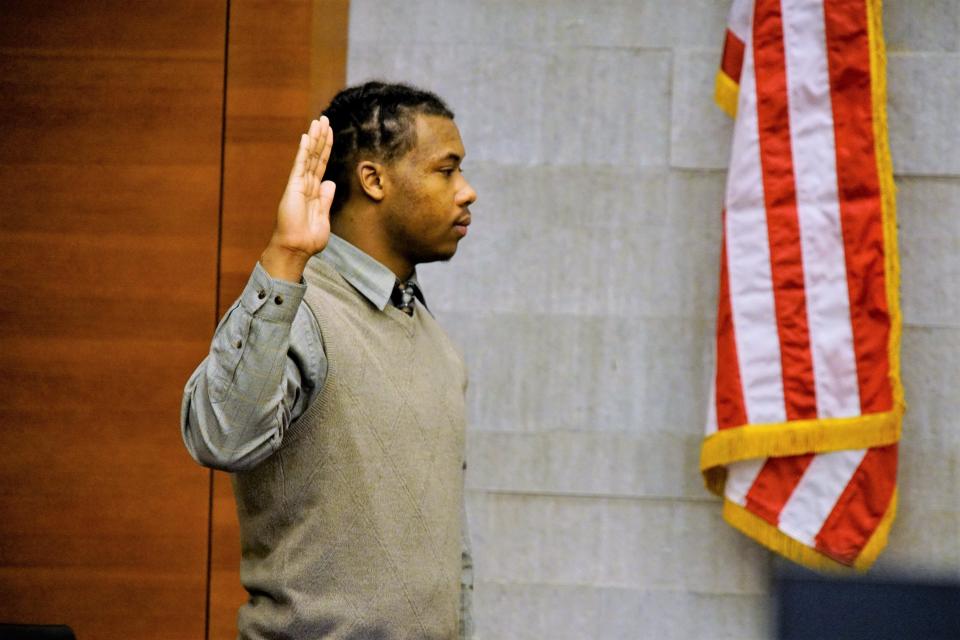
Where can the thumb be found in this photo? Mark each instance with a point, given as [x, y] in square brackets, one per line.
[327, 190]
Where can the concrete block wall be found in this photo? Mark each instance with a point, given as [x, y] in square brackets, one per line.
[584, 299]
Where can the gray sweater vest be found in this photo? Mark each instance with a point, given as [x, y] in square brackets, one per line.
[351, 530]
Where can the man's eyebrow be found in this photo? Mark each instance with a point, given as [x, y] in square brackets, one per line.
[451, 156]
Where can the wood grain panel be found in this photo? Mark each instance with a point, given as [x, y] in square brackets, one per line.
[285, 61]
[110, 145]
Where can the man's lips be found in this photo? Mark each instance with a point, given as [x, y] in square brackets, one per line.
[462, 223]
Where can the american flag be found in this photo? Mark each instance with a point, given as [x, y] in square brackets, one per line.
[807, 403]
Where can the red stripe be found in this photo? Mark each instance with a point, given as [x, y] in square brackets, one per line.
[732, 62]
[774, 485]
[848, 56]
[730, 405]
[860, 507]
[781, 203]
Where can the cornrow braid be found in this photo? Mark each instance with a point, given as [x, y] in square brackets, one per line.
[374, 121]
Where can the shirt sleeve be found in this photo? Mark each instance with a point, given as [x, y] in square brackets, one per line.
[265, 367]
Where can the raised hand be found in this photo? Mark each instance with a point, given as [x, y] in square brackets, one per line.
[303, 217]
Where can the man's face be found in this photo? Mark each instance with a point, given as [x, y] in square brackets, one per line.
[428, 210]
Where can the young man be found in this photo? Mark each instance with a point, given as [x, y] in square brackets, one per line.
[339, 404]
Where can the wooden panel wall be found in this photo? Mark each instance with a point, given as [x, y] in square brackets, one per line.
[110, 155]
[285, 61]
[111, 141]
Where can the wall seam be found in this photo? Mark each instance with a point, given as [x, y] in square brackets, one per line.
[216, 307]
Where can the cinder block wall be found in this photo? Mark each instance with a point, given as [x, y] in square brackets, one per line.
[584, 298]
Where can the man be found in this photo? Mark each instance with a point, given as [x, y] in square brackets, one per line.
[339, 403]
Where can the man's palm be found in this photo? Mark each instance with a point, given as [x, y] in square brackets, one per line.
[303, 217]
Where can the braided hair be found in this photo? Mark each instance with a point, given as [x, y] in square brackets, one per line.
[374, 121]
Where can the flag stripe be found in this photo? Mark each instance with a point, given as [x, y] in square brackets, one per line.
[861, 507]
[815, 495]
[730, 410]
[740, 477]
[775, 484]
[781, 205]
[732, 61]
[748, 263]
[814, 156]
[859, 191]
[740, 19]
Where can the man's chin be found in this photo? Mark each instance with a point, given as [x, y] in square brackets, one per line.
[438, 256]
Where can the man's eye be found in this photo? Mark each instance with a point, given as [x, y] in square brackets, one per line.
[447, 172]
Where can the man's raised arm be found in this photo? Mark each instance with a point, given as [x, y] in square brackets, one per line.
[266, 361]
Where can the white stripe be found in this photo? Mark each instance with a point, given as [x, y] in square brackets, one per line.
[748, 259]
[738, 20]
[818, 209]
[740, 477]
[817, 493]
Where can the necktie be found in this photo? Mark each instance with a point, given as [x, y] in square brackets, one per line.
[403, 296]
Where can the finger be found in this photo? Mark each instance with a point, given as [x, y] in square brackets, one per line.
[317, 165]
[324, 129]
[315, 151]
[312, 141]
[314, 130]
[319, 161]
[325, 151]
[327, 191]
[311, 186]
[302, 157]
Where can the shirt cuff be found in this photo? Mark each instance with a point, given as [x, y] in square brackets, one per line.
[271, 299]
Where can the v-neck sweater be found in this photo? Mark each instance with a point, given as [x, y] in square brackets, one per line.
[352, 529]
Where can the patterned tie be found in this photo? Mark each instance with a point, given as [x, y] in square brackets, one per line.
[403, 296]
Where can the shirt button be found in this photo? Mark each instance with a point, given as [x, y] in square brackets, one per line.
[238, 344]
[261, 294]
[278, 299]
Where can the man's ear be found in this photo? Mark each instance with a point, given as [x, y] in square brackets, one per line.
[371, 177]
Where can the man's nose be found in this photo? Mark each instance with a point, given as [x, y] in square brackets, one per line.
[467, 195]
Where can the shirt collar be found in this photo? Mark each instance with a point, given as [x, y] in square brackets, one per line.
[372, 279]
